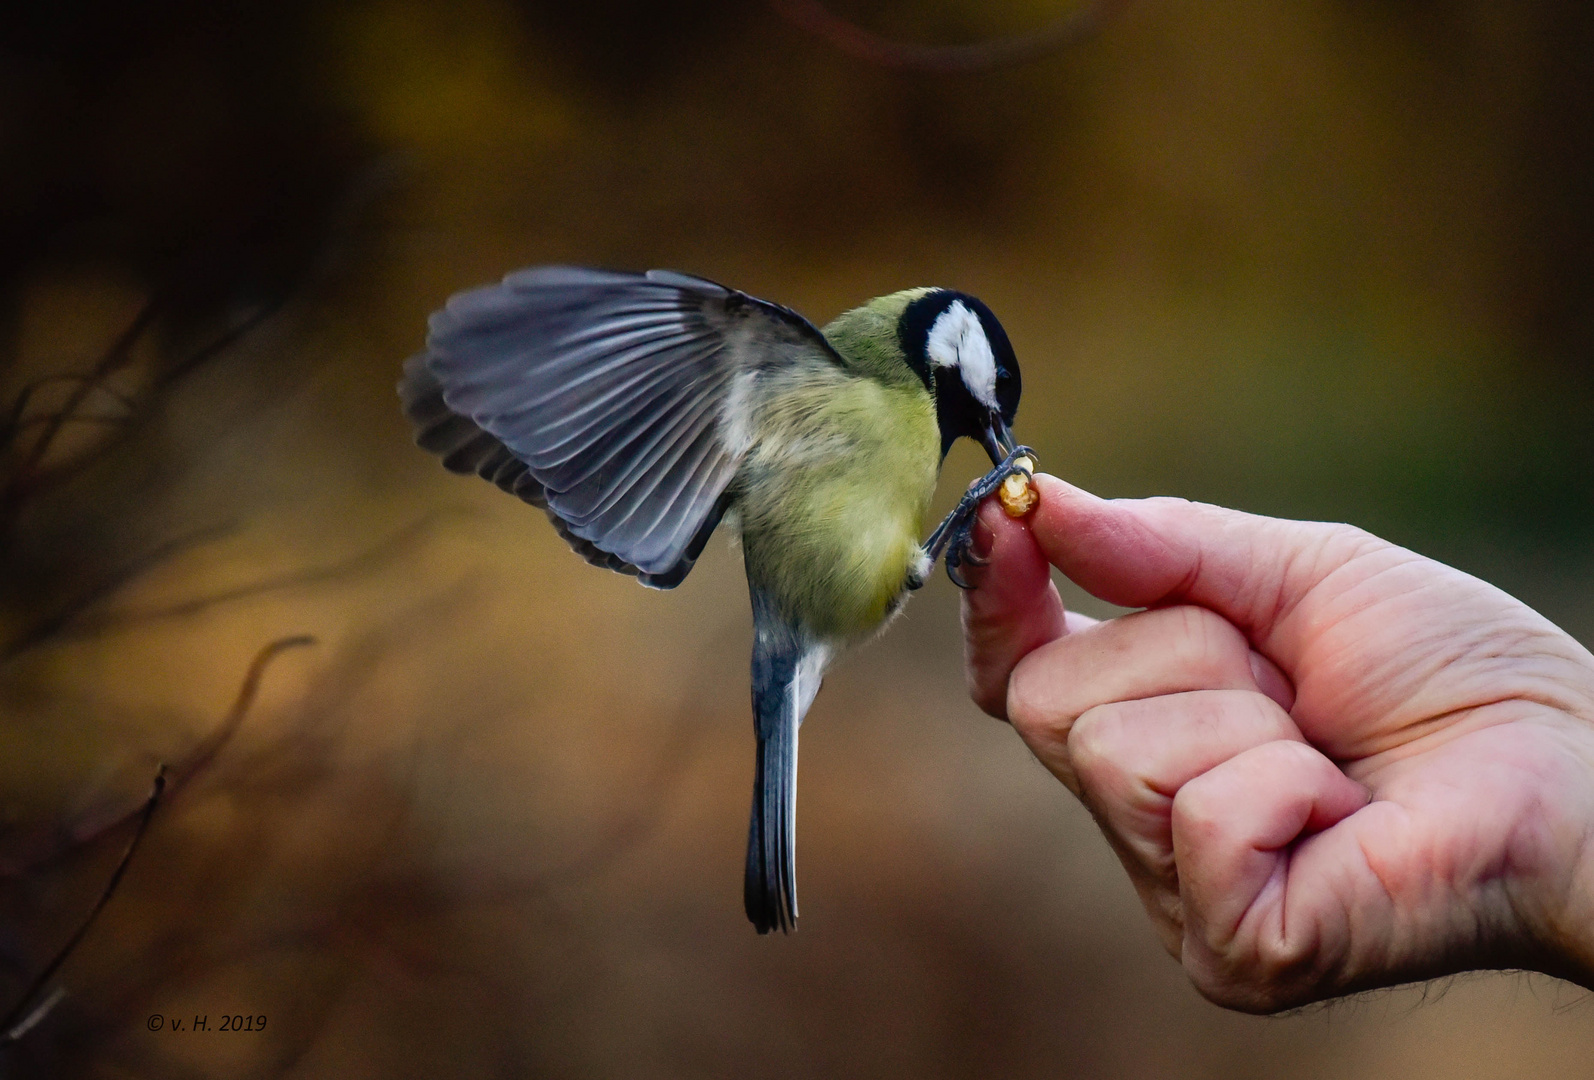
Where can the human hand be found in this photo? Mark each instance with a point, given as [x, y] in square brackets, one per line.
[1327, 763]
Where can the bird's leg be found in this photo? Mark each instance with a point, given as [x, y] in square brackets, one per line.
[955, 535]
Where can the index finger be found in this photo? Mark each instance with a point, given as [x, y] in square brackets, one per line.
[1013, 609]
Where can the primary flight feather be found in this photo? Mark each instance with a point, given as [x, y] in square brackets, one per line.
[639, 410]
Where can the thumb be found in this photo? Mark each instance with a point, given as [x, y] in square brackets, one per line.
[1252, 570]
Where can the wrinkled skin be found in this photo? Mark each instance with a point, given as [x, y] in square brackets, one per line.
[1326, 762]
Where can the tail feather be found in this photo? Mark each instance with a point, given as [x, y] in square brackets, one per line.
[770, 888]
[786, 675]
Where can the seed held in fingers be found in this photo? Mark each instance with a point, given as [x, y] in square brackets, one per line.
[1017, 495]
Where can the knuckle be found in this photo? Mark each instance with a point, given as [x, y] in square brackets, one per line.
[1237, 978]
[1027, 711]
[1290, 757]
[1208, 645]
[1233, 991]
[1169, 503]
[1280, 960]
[1267, 983]
[1322, 548]
[1255, 966]
[1293, 754]
[1197, 812]
[1023, 709]
[1353, 539]
[1091, 742]
[1032, 705]
[1101, 751]
[1166, 913]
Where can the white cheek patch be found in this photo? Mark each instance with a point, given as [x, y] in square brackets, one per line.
[957, 340]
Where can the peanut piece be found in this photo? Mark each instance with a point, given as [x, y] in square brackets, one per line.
[1017, 495]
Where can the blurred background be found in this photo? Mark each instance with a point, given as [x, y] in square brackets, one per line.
[1326, 258]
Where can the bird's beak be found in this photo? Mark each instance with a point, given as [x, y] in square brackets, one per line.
[997, 438]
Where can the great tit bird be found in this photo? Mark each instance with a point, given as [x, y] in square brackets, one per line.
[640, 410]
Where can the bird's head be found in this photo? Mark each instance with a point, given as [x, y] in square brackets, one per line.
[956, 345]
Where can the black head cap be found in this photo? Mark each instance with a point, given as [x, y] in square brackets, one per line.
[955, 344]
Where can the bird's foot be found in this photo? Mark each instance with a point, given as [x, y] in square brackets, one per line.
[954, 537]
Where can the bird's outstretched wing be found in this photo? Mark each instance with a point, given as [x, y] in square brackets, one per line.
[605, 398]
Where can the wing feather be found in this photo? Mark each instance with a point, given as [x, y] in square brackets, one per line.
[646, 515]
[601, 396]
[632, 470]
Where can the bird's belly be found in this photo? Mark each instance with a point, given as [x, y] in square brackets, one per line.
[832, 500]
[837, 558]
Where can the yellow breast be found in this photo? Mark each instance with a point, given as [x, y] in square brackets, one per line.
[834, 499]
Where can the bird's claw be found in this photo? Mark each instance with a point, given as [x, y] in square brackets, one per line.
[954, 537]
[960, 552]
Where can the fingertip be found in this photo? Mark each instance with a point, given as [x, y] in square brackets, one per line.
[1012, 609]
[1015, 566]
[1064, 512]
[1059, 494]
[989, 522]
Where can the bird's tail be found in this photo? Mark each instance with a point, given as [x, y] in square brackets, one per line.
[786, 677]
[770, 888]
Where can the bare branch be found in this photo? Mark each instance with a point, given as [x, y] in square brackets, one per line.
[15, 419]
[47, 845]
[31, 475]
[57, 418]
[1073, 27]
[203, 754]
[19, 1021]
[34, 1018]
[47, 627]
[114, 358]
[364, 561]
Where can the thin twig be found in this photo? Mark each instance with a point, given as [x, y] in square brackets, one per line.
[115, 357]
[14, 421]
[367, 560]
[50, 418]
[52, 844]
[56, 621]
[211, 745]
[1071, 28]
[31, 1021]
[19, 1021]
[32, 475]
